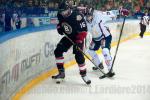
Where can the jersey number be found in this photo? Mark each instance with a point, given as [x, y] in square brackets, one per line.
[82, 24]
[66, 28]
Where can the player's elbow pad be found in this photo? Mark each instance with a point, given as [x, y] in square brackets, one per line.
[60, 29]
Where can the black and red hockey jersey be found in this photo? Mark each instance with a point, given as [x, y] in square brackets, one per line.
[73, 26]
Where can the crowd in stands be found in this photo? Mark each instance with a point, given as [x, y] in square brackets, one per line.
[135, 7]
[25, 8]
[22, 8]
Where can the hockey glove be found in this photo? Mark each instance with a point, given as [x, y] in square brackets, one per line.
[80, 37]
[124, 12]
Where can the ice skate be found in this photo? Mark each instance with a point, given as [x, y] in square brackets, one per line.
[86, 80]
[59, 77]
[100, 67]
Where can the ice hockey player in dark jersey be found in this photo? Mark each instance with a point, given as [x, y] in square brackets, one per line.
[71, 24]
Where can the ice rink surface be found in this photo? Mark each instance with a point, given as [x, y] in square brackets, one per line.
[132, 80]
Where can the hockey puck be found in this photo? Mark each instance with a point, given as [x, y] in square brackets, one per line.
[57, 82]
[53, 77]
[88, 82]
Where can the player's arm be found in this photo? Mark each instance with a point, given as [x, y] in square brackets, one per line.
[81, 28]
[59, 27]
[148, 20]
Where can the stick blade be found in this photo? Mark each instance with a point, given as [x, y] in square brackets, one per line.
[102, 77]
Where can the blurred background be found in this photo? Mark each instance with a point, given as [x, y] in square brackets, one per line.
[16, 14]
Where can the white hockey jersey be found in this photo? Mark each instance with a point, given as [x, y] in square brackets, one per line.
[145, 20]
[97, 27]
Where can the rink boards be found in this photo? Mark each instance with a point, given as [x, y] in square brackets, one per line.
[28, 58]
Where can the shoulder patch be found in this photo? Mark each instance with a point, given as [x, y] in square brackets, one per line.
[79, 17]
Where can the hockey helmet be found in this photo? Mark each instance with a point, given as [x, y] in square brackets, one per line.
[64, 9]
[89, 14]
[90, 11]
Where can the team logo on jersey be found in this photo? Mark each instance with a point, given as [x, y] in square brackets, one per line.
[67, 28]
[79, 17]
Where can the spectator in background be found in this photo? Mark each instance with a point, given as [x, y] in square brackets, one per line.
[14, 16]
[30, 22]
[1, 23]
[46, 11]
[120, 9]
[18, 23]
[56, 5]
[71, 3]
[143, 24]
[14, 19]
[7, 21]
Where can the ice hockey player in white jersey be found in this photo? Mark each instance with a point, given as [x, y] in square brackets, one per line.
[101, 37]
[144, 23]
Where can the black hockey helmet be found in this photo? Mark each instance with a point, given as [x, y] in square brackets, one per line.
[63, 8]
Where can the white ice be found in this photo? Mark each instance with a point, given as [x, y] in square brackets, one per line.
[132, 80]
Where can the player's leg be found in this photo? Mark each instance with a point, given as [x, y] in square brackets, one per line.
[95, 59]
[62, 47]
[143, 29]
[107, 55]
[81, 63]
[94, 46]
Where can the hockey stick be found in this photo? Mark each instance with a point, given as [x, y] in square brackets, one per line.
[83, 53]
[116, 49]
